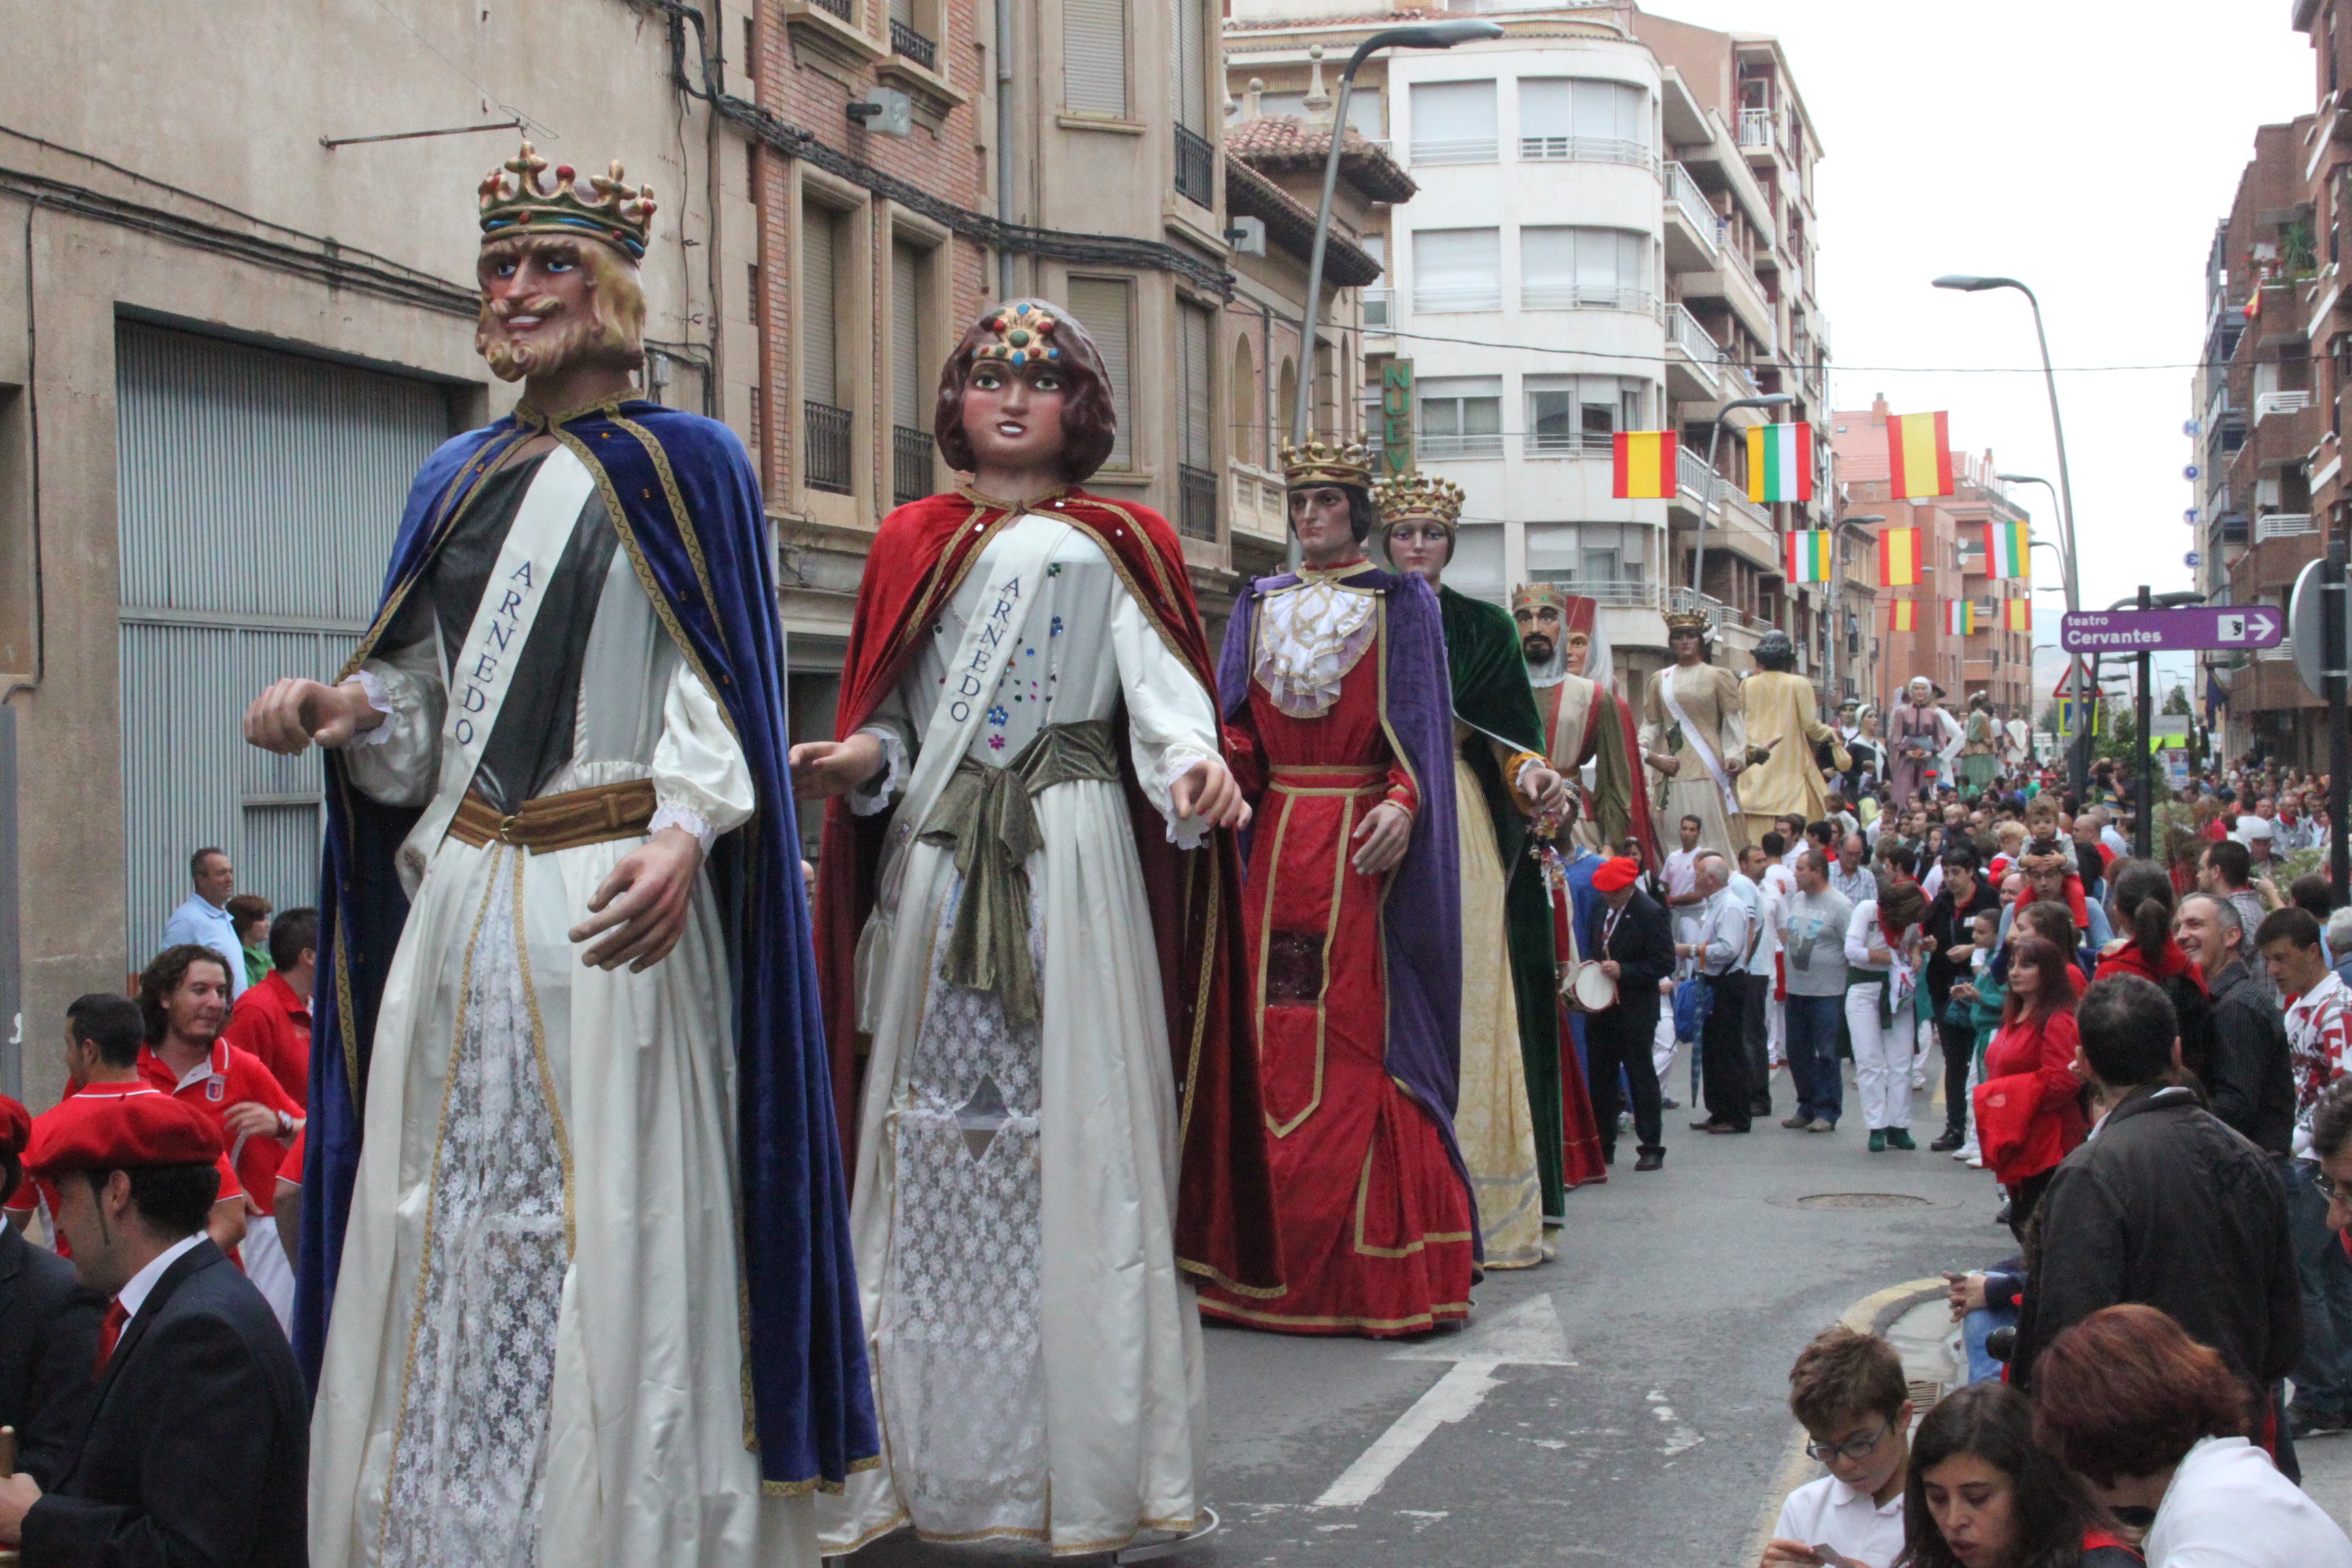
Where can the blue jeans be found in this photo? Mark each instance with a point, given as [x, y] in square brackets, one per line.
[1975, 1328]
[2323, 1379]
[1813, 1037]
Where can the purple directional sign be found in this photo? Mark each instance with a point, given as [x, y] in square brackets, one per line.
[2162, 631]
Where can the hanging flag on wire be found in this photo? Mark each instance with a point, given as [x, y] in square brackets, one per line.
[2009, 548]
[1644, 469]
[1780, 463]
[1903, 615]
[1918, 456]
[1959, 616]
[1898, 558]
[2018, 614]
[1810, 555]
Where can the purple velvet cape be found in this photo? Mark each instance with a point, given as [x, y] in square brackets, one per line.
[1420, 915]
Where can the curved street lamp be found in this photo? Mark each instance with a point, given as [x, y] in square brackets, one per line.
[1715, 482]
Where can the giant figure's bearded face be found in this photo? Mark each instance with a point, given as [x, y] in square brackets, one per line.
[1540, 633]
[551, 302]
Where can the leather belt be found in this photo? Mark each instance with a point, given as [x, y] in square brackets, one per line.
[568, 821]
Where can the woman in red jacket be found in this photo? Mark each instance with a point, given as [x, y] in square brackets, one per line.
[2029, 1107]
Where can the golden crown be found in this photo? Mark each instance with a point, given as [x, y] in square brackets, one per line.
[1529, 595]
[607, 211]
[1320, 462]
[1023, 332]
[1690, 621]
[1422, 497]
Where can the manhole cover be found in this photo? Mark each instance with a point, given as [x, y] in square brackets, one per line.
[1925, 1393]
[1861, 1201]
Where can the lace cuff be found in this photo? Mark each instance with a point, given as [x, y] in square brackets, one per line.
[674, 814]
[874, 797]
[1174, 763]
[372, 685]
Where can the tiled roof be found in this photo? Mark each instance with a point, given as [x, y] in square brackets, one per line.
[1285, 144]
[1289, 224]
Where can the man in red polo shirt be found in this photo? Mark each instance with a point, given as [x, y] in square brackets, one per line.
[272, 1018]
[184, 995]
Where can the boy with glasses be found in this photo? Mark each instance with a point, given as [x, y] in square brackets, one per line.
[1847, 1390]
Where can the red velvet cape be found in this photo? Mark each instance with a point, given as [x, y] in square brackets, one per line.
[1225, 1211]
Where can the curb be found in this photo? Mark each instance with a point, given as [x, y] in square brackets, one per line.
[1873, 1314]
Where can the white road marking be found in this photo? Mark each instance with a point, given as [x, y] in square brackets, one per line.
[1454, 1396]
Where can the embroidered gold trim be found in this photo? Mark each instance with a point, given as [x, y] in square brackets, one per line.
[1438, 1311]
[1232, 1286]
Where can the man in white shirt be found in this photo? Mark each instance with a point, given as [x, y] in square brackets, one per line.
[1720, 948]
[1680, 875]
[204, 918]
[1763, 868]
[2111, 837]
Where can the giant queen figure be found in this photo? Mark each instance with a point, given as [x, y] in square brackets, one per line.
[575, 1282]
[1029, 907]
[1695, 733]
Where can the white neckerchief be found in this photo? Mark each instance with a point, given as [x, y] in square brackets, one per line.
[1309, 639]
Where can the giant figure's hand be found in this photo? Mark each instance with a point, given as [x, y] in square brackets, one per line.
[1664, 764]
[823, 769]
[640, 911]
[1545, 790]
[1207, 789]
[293, 714]
[1381, 840]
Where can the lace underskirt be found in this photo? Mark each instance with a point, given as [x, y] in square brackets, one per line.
[468, 1470]
[962, 1368]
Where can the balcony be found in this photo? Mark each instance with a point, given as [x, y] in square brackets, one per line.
[826, 431]
[1197, 503]
[1482, 294]
[1756, 128]
[1567, 444]
[1581, 150]
[906, 41]
[1379, 311]
[2269, 403]
[1737, 522]
[1692, 358]
[1258, 504]
[1681, 601]
[1196, 167]
[1687, 200]
[1458, 446]
[1732, 282]
[2285, 525]
[1474, 150]
[911, 465]
[1583, 297]
[2284, 544]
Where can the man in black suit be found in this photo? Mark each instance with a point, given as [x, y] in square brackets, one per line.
[1637, 950]
[197, 1446]
[48, 1329]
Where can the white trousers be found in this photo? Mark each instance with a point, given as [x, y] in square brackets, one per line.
[266, 1267]
[1881, 1056]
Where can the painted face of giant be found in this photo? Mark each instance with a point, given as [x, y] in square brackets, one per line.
[1013, 415]
[1580, 646]
[1538, 631]
[550, 302]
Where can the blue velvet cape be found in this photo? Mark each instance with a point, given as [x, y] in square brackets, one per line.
[686, 506]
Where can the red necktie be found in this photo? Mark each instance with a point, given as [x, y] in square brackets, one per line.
[109, 1330]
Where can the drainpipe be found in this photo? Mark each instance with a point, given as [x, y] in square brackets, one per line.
[1004, 141]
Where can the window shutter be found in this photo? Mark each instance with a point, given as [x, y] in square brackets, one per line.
[907, 381]
[1457, 270]
[1191, 67]
[1094, 57]
[1453, 123]
[1547, 108]
[820, 312]
[1197, 327]
[1101, 306]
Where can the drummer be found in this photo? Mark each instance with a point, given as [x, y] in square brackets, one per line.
[1635, 949]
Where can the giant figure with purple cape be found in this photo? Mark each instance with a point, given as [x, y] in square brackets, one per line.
[576, 1283]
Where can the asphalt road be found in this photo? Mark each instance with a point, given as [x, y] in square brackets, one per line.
[1680, 1299]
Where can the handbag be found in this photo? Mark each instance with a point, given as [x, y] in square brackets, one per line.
[2017, 1142]
[1693, 1000]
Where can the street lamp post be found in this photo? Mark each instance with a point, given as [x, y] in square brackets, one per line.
[1715, 482]
[1968, 283]
[1432, 36]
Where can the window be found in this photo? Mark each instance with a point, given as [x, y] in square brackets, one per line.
[910, 436]
[1196, 327]
[1476, 568]
[1457, 270]
[824, 412]
[1453, 123]
[1605, 561]
[1461, 417]
[1093, 58]
[1584, 120]
[1566, 268]
[1196, 158]
[1364, 110]
[1101, 305]
[910, 35]
[1572, 414]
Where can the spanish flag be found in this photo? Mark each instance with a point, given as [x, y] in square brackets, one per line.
[1780, 463]
[1918, 456]
[1959, 617]
[1646, 465]
[1809, 556]
[2009, 547]
[1903, 615]
[1898, 558]
[2017, 614]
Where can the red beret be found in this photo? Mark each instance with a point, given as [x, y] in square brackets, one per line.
[16, 1127]
[119, 1132]
[1617, 873]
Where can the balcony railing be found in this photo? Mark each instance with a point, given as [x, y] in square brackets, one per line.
[1447, 446]
[1756, 128]
[1583, 150]
[1684, 600]
[905, 40]
[1583, 297]
[1196, 166]
[2284, 525]
[841, 8]
[911, 465]
[1482, 295]
[1380, 310]
[2269, 403]
[1568, 444]
[1616, 592]
[1683, 192]
[1702, 483]
[1687, 335]
[1471, 150]
[1196, 516]
[827, 430]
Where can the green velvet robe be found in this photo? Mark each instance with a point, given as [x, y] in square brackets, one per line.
[1491, 695]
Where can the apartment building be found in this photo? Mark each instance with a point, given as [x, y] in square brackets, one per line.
[1613, 232]
[1992, 658]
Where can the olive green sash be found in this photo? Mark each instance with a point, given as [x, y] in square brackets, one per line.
[986, 816]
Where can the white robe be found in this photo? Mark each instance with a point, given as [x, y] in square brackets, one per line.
[537, 1305]
[1036, 1352]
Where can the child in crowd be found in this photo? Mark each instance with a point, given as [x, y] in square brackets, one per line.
[2046, 841]
[1848, 1392]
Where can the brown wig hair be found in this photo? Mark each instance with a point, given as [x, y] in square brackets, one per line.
[2126, 1392]
[164, 974]
[1843, 1373]
[2052, 1511]
[1901, 906]
[1090, 418]
[2056, 995]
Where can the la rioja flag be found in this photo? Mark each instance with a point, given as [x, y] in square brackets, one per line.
[1808, 555]
[1780, 463]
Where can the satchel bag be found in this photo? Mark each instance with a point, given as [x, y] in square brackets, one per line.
[2017, 1141]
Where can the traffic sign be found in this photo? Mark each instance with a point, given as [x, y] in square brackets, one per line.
[2307, 626]
[2160, 631]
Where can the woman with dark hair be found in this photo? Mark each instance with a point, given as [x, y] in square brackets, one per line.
[2140, 902]
[2029, 1107]
[49, 1327]
[2156, 1423]
[1030, 908]
[1340, 721]
[1982, 1495]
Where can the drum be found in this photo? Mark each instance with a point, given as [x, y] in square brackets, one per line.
[1588, 987]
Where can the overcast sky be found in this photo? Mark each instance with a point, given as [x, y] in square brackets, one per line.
[2087, 150]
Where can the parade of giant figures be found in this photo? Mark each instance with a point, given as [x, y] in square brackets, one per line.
[1119, 1047]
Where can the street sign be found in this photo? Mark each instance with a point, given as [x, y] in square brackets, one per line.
[2305, 626]
[2160, 631]
[2168, 724]
[1396, 418]
[2190, 559]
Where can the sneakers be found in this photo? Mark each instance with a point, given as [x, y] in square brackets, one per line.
[1822, 1125]
[1948, 1141]
[1968, 1153]
[1651, 1159]
[1798, 1123]
[1878, 1139]
[1899, 1138]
